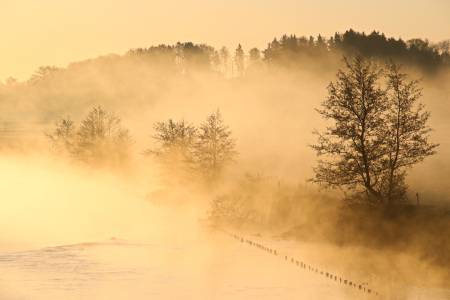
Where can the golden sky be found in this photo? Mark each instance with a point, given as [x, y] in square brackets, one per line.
[34, 33]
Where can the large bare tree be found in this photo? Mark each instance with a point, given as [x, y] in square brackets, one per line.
[376, 135]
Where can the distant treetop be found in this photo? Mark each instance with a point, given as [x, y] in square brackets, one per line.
[292, 50]
[289, 52]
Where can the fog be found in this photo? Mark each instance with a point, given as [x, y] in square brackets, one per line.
[129, 218]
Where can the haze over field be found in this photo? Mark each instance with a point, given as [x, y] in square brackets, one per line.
[167, 150]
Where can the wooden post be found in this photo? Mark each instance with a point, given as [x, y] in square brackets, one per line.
[417, 195]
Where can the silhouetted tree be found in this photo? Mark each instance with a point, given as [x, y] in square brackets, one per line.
[99, 140]
[405, 131]
[194, 58]
[376, 136]
[45, 75]
[64, 137]
[255, 180]
[271, 54]
[225, 61]
[232, 209]
[214, 148]
[163, 58]
[254, 56]
[255, 63]
[443, 49]
[216, 62]
[239, 60]
[174, 149]
[321, 43]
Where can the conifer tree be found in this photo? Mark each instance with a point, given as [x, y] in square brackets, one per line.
[239, 60]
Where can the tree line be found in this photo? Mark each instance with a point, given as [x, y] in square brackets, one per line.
[292, 51]
[288, 51]
[144, 75]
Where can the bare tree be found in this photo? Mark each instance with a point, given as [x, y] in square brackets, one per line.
[174, 149]
[376, 135]
[406, 132]
[99, 140]
[230, 208]
[215, 148]
[63, 138]
[45, 75]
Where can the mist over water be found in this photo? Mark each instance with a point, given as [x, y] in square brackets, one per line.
[77, 231]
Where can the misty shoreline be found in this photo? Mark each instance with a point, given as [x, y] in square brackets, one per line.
[162, 145]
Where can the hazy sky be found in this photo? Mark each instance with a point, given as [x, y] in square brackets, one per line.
[55, 32]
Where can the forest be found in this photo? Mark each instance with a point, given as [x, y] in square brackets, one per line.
[233, 129]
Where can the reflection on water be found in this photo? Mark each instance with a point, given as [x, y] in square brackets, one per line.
[217, 268]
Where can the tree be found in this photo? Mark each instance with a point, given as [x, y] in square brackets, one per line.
[63, 139]
[255, 63]
[376, 135]
[406, 131]
[99, 140]
[224, 61]
[216, 62]
[215, 148]
[174, 149]
[11, 81]
[443, 48]
[45, 75]
[254, 56]
[231, 208]
[239, 60]
[194, 58]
